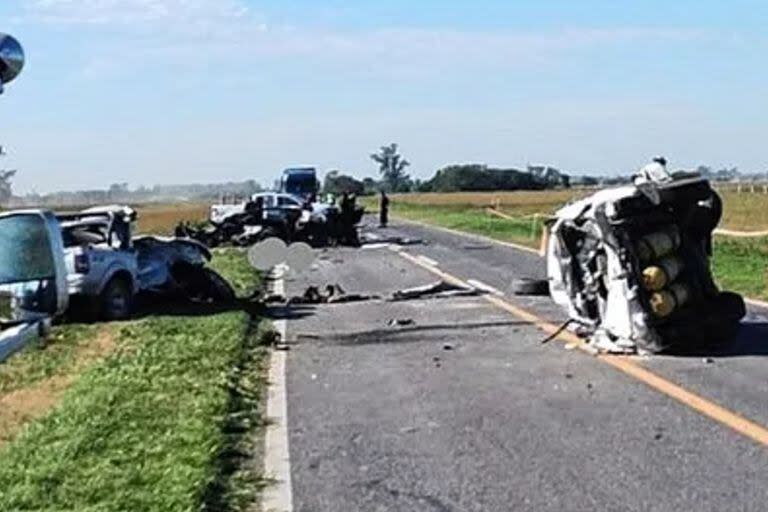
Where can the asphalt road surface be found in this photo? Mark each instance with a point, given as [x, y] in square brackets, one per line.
[459, 407]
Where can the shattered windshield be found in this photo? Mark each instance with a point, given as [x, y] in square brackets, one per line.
[25, 250]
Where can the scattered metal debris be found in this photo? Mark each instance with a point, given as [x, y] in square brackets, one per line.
[374, 239]
[401, 322]
[439, 289]
[529, 286]
[332, 294]
[558, 331]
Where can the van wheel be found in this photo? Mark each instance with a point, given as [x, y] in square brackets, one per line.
[116, 300]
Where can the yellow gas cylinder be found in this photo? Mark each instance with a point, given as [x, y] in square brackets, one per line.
[665, 271]
[663, 303]
[658, 244]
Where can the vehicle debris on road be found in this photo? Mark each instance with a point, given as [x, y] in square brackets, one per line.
[631, 264]
[368, 238]
[439, 289]
[331, 294]
[401, 322]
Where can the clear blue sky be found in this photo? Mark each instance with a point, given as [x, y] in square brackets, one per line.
[171, 91]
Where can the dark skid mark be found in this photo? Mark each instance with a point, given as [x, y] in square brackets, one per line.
[410, 334]
[433, 502]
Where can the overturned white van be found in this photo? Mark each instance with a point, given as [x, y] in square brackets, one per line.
[631, 265]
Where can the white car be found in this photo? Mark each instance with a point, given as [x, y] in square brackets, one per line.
[630, 265]
[274, 203]
[271, 201]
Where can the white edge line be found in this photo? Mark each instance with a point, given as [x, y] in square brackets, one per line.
[428, 261]
[485, 287]
[755, 302]
[278, 496]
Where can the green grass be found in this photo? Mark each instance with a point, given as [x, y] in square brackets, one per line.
[39, 362]
[233, 264]
[740, 265]
[471, 219]
[167, 423]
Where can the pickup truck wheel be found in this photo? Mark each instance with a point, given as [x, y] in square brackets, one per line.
[116, 300]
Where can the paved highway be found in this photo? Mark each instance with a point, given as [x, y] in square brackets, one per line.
[461, 408]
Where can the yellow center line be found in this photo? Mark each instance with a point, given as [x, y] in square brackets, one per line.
[625, 365]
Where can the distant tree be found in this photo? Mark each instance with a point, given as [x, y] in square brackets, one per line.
[479, 177]
[585, 181]
[118, 191]
[5, 186]
[549, 177]
[371, 186]
[336, 183]
[727, 174]
[392, 168]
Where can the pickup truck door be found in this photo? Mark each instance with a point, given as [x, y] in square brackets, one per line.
[33, 276]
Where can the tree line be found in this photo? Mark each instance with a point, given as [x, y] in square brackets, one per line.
[392, 178]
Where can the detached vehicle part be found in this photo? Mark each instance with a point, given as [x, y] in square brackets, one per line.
[631, 264]
[33, 286]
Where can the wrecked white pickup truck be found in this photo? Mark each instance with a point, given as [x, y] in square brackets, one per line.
[631, 265]
[107, 267]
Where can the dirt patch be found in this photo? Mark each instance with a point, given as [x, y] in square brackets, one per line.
[21, 406]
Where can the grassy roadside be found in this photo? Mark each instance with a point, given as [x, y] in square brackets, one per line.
[35, 363]
[742, 265]
[524, 231]
[167, 422]
[738, 264]
[741, 211]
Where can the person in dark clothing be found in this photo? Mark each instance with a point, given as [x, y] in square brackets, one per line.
[383, 210]
[347, 218]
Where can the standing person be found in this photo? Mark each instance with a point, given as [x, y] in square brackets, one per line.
[383, 210]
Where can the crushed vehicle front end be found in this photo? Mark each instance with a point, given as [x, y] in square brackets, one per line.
[631, 266]
[171, 266]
